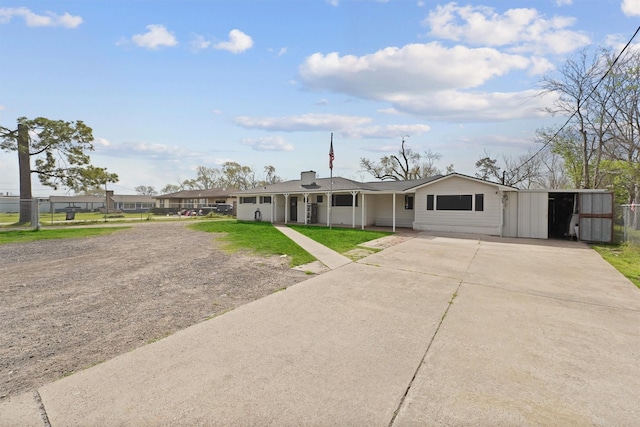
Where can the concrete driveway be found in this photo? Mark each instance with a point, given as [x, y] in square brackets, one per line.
[433, 331]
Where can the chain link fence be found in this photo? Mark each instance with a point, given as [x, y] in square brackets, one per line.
[630, 222]
[10, 213]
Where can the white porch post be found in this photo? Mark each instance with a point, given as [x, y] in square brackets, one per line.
[354, 197]
[394, 213]
[363, 211]
[306, 207]
[328, 208]
[274, 208]
[286, 207]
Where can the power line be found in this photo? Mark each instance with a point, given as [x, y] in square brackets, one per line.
[552, 138]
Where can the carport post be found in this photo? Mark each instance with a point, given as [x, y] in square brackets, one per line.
[394, 213]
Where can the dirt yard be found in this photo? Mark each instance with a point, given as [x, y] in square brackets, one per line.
[66, 305]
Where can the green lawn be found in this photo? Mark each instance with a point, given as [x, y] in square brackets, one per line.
[624, 257]
[19, 236]
[82, 218]
[59, 218]
[339, 239]
[258, 237]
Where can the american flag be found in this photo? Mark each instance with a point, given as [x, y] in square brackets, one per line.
[331, 156]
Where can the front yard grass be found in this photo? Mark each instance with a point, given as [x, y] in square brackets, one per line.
[258, 237]
[624, 257]
[19, 236]
[341, 240]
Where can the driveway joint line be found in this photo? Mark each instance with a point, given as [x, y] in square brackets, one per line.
[634, 310]
[43, 411]
[424, 356]
[433, 337]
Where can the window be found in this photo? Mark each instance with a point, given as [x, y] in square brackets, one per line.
[343, 200]
[248, 200]
[318, 199]
[408, 203]
[265, 199]
[429, 202]
[479, 202]
[458, 202]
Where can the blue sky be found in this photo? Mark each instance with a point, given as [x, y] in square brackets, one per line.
[171, 85]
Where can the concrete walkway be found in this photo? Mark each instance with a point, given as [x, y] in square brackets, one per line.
[432, 331]
[326, 256]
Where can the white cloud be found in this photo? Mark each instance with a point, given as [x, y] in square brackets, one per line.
[348, 126]
[414, 68]
[475, 106]
[156, 37]
[564, 2]
[147, 150]
[199, 43]
[102, 142]
[270, 143]
[387, 131]
[238, 42]
[305, 122]
[520, 30]
[49, 19]
[429, 80]
[631, 7]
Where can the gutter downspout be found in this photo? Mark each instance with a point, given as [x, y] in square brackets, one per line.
[501, 194]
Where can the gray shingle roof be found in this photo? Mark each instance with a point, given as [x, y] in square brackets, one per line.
[322, 185]
[197, 194]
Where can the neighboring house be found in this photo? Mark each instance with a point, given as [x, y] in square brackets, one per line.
[445, 203]
[133, 203]
[195, 199]
[78, 203]
[115, 203]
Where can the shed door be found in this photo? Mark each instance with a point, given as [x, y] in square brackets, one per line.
[596, 217]
[533, 214]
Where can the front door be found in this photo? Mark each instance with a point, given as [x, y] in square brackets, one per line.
[293, 208]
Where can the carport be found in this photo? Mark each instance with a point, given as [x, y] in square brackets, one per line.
[585, 215]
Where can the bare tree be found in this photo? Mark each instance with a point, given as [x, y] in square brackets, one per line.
[522, 171]
[405, 165]
[586, 102]
[145, 190]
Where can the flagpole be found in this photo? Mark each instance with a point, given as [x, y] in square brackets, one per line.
[331, 183]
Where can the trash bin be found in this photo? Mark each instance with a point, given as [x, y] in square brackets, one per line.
[71, 215]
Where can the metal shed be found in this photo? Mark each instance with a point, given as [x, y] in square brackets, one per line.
[585, 215]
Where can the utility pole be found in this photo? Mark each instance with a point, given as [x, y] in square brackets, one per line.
[24, 165]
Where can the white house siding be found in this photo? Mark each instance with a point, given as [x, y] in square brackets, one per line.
[343, 215]
[384, 211]
[510, 225]
[487, 221]
[246, 211]
[370, 206]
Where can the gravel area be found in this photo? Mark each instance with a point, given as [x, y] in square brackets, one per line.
[72, 303]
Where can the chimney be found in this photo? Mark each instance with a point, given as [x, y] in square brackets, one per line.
[308, 178]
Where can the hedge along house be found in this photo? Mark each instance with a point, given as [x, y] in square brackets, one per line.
[441, 203]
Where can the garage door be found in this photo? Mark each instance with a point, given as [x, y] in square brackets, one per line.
[596, 217]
